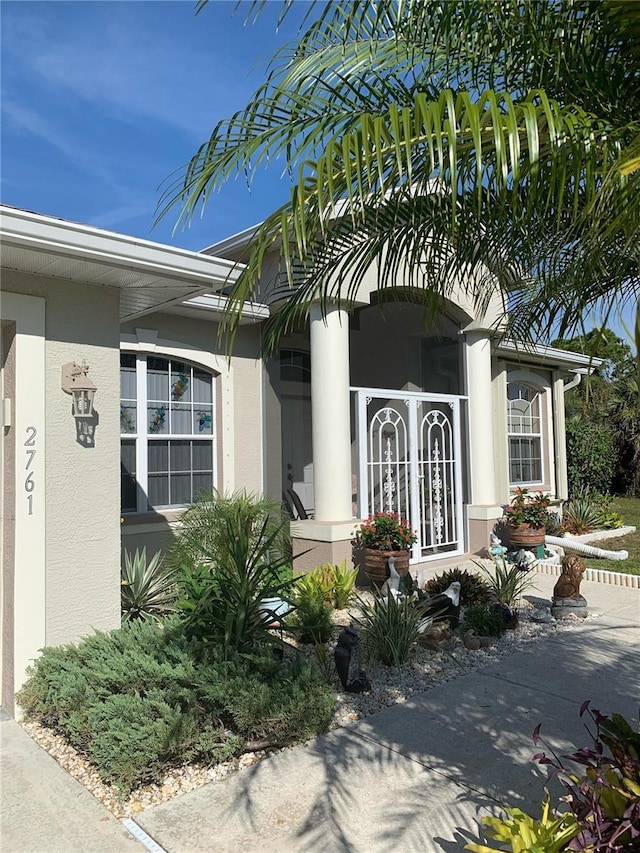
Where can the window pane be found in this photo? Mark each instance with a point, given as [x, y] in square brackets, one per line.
[181, 418]
[203, 420]
[158, 490]
[202, 386]
[180, 456]
[128, 476]
[180, 382]
[128, 418]
[180, 489]
[158, 458]
[157, 379]
[202, 484]
[157, 420]
[128, 383]
[202, 456]
[525, 463]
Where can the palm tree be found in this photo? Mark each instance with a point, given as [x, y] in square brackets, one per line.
[436, 137]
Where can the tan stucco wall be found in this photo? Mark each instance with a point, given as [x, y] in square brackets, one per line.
[82, 484]
[7, 513]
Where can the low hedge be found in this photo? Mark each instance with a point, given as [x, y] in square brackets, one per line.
[144, 698]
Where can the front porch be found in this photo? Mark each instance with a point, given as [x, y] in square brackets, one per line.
[421, 444]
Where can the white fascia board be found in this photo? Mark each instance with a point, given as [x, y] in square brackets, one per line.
[549, 355]
[232, 244]
[34, 231]
[218, 304]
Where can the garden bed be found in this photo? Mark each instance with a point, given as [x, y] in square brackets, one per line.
[389, 686]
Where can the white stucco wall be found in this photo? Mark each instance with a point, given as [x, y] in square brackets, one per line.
[81, 484]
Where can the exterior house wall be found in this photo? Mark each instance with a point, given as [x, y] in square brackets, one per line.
[542, 380]
[74, 580]
[8, 510]
[238, 398]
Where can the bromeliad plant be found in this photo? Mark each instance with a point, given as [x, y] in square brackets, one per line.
[385, 531]
[526, 508]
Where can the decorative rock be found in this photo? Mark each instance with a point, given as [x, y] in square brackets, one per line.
[542, 615]
[471, 641]
[564, 607]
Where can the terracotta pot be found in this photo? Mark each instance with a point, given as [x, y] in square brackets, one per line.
[525, 536]
[376, 567]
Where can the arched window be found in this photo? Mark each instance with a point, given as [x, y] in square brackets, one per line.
[525, 434]
[167, 425]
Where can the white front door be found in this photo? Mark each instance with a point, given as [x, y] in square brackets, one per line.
[409, 463]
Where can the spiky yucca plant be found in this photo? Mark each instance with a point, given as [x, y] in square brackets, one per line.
[148, 589]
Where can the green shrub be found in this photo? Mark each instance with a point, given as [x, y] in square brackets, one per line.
[473, 588]
[590, 451]
[311, 620]
[344, 582]
[220, 599]
[335, 583]
[506, 583]
[484, 621]
[203, 537]
[389, 628]
[148, 589]
[142, 699]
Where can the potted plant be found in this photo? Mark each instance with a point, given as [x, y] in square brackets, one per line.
[527, 516]
[381, 536]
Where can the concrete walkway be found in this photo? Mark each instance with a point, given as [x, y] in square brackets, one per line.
[416, 776]
[44, 810]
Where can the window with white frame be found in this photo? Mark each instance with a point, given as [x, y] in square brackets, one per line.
[167, 425]
[525, 434]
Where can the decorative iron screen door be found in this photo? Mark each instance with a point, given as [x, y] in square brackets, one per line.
[409, 454]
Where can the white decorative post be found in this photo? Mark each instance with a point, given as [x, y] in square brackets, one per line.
[330, 414]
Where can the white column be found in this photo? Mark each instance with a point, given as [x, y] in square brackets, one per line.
[481, 433]
[559, 437]
[330, 414]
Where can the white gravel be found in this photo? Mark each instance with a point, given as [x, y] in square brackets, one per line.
[389, 686]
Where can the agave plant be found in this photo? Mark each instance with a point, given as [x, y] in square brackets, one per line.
[148, 589]
[580, 515]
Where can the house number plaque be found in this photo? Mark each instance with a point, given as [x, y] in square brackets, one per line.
[30, 449]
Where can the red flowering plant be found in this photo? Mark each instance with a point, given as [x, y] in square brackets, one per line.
[526, 508]
[385, 531]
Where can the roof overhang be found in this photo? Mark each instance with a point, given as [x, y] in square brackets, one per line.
[151, 276]
[544, 356]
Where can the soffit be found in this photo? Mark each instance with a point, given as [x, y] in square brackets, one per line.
[150, 276]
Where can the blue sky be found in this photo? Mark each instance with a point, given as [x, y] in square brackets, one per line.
[103, 99]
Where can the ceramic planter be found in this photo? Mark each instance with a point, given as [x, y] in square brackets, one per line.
[527, 537]
[376, 567]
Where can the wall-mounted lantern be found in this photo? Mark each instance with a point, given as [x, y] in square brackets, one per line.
[76, 382]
